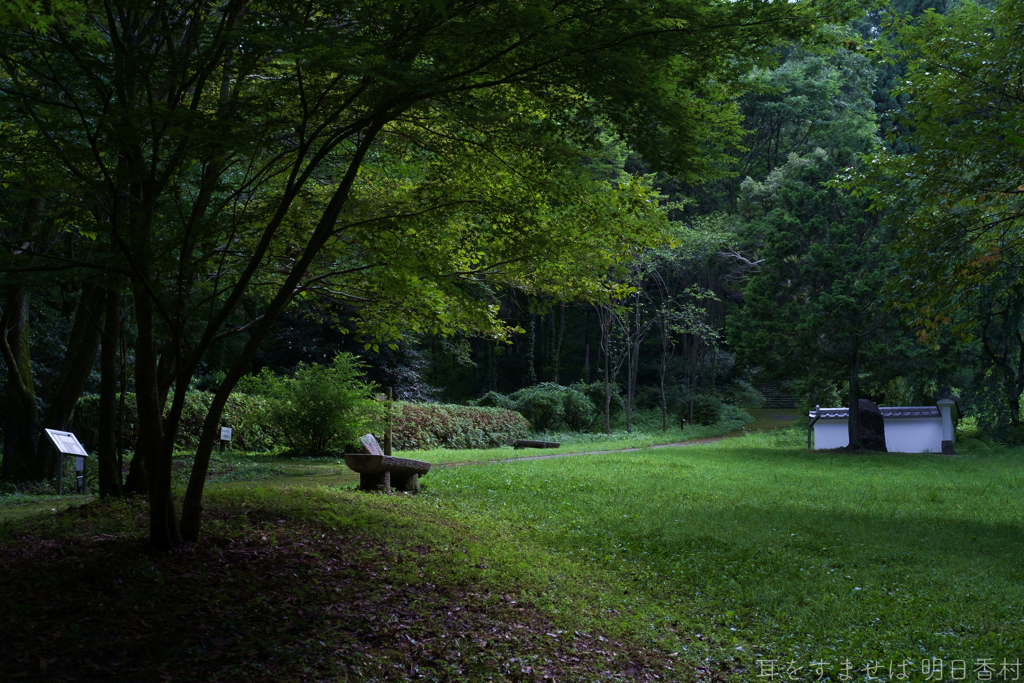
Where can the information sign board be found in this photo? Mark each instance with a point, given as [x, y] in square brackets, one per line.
[66, 443]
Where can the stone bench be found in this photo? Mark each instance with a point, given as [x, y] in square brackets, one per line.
[526, 443]
[379, 472]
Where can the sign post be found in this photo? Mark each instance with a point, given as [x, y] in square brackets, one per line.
[67, 444]
[225, 437]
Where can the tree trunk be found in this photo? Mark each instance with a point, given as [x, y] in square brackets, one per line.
[109, 473]
[21, 431]
[163, 529]
[560, 334]
[666, 347]
[76, 369]
[854, 421]
[607, 398]
[586, 349]
[192, 506]
[530, 370]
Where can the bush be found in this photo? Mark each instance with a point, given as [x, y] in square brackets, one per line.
[247, 415]
[541, 404]
[322, 405]
[742, 393]
[595, 392]
[707, 410]
[578, 412]
[433, 425]
[550, 406]
[492, 399]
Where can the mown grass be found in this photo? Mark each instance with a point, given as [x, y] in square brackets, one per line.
[576, 442]
[774, 553]
[705, 562]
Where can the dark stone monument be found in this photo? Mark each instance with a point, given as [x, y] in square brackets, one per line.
[871, 426]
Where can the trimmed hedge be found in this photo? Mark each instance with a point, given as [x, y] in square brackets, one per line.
[416, 425]
[434, 425]
[248, 416]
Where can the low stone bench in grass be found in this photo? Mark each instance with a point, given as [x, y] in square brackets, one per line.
[379, 472]
[526, 443]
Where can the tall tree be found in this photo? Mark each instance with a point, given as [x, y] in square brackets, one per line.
[954, 202]
[244, 147]
[814, 307]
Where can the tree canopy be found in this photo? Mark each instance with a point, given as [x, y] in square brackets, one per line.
[956, 196]
[220, 161]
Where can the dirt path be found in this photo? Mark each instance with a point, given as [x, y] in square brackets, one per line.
[549, 456]
[767, 420]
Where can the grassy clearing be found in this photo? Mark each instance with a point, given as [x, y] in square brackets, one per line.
[576, 442]
[300, 583]
[773, 553]
[697, 563]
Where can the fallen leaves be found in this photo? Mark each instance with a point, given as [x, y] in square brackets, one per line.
[312, 604]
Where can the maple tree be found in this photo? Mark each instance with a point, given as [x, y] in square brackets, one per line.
[219, 153]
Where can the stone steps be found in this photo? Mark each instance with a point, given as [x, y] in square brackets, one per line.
[773, 398]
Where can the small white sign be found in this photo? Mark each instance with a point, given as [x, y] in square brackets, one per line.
[225, 433]
[66, 443]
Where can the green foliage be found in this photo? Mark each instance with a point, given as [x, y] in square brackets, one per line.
[434, 425]
[578, 412]
[956, 200]
[248, 415]
[595, 392]
[814, 307]
[707, 410]
[739, 392]
[550, 406]
[322, 406]
[541, 404]
[493, 399]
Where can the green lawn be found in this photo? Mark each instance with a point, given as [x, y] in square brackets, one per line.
[709, 562]
[774, 552]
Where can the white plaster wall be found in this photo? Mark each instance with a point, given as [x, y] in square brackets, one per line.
[902, 435]
[914, 435]
[831, 434]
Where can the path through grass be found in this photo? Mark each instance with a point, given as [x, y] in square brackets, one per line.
[777, 554]
[741, 560]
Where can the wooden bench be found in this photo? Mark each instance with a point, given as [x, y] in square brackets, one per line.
[526, 443]
[379, 472]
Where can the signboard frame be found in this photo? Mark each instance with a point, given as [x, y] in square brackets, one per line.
[67, 444]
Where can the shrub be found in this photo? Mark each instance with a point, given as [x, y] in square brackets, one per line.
[707, 410]
[742, 393]
[247, 415]
[492, 399]
[322, 405]
[578, 412]
[595, 392]
[541, 404]
[735, 413]
[434, 425]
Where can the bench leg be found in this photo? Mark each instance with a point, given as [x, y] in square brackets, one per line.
[375, 482]
[408, 482]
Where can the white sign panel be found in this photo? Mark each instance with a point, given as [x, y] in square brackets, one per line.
[225, 433]
[66, 443]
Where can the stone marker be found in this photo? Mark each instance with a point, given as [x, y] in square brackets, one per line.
[871, 426]
[370, 445]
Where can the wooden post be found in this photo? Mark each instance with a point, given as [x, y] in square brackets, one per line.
[387, 434]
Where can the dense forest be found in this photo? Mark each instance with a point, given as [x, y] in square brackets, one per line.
[662, 206]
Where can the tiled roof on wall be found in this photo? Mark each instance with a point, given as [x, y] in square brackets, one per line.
[887, 412]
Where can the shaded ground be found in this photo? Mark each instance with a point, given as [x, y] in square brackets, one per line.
[269, 595]
[769, 419]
